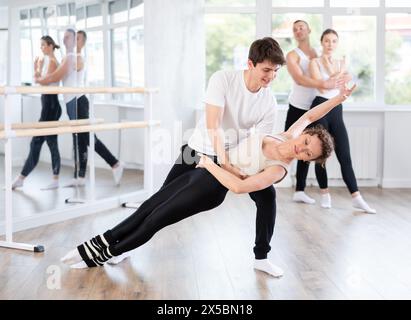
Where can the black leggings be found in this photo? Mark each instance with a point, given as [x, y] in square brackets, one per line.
[187, 191]
[79, 109]
[50, 111]
[293, 114]
[333, 122]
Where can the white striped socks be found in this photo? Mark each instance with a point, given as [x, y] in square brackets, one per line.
[93, 248]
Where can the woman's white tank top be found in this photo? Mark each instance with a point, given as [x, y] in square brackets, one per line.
[248, 155]
[70, 79]
[327, 94]
[44, 71]
[301, 97]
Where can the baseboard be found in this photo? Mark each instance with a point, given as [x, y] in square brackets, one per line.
[312, 182]
[396, 183]
[71, 212]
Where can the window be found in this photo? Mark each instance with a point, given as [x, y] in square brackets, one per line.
[36, 35]
[357, 42]
[24, 18]
[119, 60]
[398, 3]
[118, 11]
[228, 39]
[227, 3]
[136, 9]
[354, 3]
[80, 18]
[137, 59]
[26, 60]
[282, 26]
[94, 17]
[62, 15]
[95, 60]
[50, 16]
[397, 62]
[35, 20]
[298, 3]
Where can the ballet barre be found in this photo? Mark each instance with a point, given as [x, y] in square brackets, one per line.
[52, 124]
[74, 129]
[9, 131]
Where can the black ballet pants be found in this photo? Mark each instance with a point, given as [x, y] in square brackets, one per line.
[333, 122]
[187, 191]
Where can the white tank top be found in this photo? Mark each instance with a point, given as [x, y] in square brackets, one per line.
[81, 75]
[70, 79]
[248, 155]
[301, 97]
[327, 94]
[44, 71]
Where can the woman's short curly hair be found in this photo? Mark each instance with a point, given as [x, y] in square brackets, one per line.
[327, 142]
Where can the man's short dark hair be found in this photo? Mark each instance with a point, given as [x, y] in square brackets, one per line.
[71, 31]
[82, 32]
[303, 21]
[266, 49]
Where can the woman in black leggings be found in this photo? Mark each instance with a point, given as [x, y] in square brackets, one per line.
[323, 68]
[50, 111]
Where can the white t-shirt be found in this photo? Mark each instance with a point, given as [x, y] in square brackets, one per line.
[70, 78]
[243, 110]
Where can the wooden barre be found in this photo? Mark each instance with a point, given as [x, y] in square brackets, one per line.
[75, 129]
[77, 90]
[52, 124]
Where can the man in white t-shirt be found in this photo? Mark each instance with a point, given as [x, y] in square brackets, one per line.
[237, 102]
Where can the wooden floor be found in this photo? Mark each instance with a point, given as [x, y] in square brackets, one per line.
[334, 253]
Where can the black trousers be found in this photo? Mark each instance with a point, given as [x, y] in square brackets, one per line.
[333, 122]
[185, 192]
[50, 111]
[78, 108]
[293, 114]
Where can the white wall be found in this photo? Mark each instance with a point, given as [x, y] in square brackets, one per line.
[175, 62]
[397, 149]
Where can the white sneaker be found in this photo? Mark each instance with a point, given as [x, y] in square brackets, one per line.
[326, 201]
[301, 196]
[53, 185]
[266, 266]
[118, 173]
[358, 202]
[79, 182]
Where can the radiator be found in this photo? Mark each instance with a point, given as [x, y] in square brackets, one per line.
[364, 155]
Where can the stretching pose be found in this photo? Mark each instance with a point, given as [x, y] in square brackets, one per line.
[303, 90]
[71, 72]
[50, 111]
[321, 69]
[262, 159]
[236, 102]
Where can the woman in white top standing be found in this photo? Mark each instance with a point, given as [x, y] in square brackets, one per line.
[323, 68]
[303, 92]
[50, 111]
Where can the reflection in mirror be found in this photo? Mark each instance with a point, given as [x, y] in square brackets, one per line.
[66, 45]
